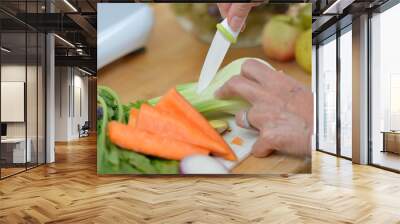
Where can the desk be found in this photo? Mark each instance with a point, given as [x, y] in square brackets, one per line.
[391, 141]
[16, 148]
[172, 57]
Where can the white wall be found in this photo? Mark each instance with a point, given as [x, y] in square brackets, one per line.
[62, 81]
[16, 73]
[79, 117]
[12, 73]
[70, 82]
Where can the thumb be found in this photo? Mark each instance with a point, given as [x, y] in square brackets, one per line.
[237, 15]
[224, 8]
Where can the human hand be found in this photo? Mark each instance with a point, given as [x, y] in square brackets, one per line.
[281, 109]
[236, 13]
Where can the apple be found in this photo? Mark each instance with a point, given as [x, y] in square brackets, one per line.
[305, 16]
[279, 38]
[304, 50]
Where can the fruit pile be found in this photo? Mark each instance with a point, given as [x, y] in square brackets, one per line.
[288, 37]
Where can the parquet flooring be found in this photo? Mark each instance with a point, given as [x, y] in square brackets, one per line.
[69, 191]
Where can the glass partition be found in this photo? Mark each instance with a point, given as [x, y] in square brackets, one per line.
[385, 89]
[346, 93]
[14, 153]
[327, 96]
[23, 89]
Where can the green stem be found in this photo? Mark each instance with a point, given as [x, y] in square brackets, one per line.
[101, 141]
[120, 112]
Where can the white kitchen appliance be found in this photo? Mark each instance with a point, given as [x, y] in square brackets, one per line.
[121, 29]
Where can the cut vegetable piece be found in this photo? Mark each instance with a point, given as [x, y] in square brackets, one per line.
[219, 125]
[199, 164]
[174, 127]
[237, 140]
[133, 117]
[174, 103]
[150, 144]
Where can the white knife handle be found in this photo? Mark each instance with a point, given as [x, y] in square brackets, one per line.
[227, 32]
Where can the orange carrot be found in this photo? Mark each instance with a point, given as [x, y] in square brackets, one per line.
[237, 140]
[150, 144]
[173, 127]
[133, 117]
[174, 103]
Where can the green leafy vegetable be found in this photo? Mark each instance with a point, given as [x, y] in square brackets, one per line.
[165, 166]
[112, 159]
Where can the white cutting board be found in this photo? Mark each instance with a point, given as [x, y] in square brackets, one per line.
[249, 137]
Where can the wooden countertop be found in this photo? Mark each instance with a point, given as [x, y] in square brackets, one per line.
[174, 56]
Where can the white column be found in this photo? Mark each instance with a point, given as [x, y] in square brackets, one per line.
[50, 109]
[360, 90]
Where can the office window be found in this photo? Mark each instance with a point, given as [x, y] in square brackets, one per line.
[327, 96]
[385, 89]
[394, 101]
[314, 90]
[346, 93]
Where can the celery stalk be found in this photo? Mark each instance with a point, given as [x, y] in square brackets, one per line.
[205, 102]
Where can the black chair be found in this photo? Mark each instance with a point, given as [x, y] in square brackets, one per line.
[84, 130]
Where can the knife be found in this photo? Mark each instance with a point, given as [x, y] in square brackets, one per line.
[220, 44]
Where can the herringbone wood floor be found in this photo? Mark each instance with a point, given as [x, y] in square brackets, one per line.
[69, 191]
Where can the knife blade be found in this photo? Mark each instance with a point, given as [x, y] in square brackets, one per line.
[223, 38]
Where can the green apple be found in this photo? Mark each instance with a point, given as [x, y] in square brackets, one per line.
[279, 38]
[305, 16]
[304, 50]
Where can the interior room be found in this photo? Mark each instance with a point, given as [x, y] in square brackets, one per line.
[34, 88]
[333, 62]
[48, 107]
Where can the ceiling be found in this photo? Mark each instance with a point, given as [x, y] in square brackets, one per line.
[73, 21]
[76, 21]
[332, 15]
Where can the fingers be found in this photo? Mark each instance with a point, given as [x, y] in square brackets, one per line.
[238, 86]
[275, 82]
[251, 118]
[262, 147]
[237, 15]
[257, 71]
[224, 8]
[264, 75]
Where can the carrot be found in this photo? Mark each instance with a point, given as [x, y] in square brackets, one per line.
[174, 127]
[133, 117]
[237, 140]
[150, 144]
[174, 103]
